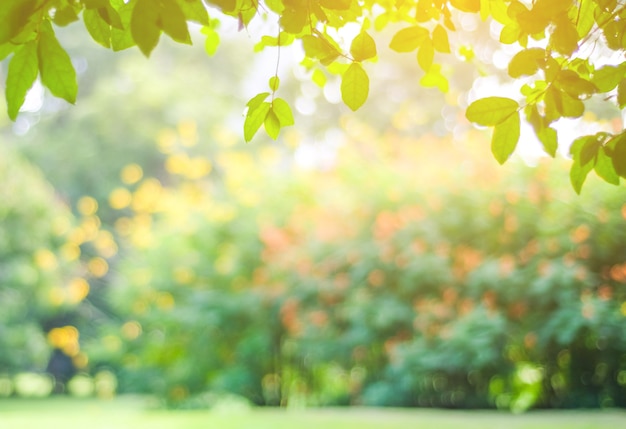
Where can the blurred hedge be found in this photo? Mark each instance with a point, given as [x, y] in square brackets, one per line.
[386, 280]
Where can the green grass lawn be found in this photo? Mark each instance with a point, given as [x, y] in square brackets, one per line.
[132, 413]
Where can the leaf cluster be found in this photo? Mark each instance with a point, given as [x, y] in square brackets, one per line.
[560, 44]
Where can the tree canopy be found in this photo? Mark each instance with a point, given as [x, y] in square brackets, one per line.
[567, 52]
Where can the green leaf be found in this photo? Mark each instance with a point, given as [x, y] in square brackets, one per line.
[434, 79]
[578, 174]
[272, 124]
[336, 4]
[194, 10]
[526, 62]
[144, 25]
[426, 55]
[585, 18]
[440, 40]
[319, 78]
[110, 16]
[294, 20]
[354, 86]
[604, 167]
[14, 14]
[621, 94]
[254, 118]
[274, 83]
[283, 112]
[472, 6]
[574, 85]
[55, 66]
[65, 15]
[491, 111]
[408, 39]
[316, 47]
[607, 78]
[212, 40]
[123, 39]
[363, 47]
[505, 137]
[256, 101]
[21, 75]
[618, 154]
[564, 38]
[99, 30]
[173, 22]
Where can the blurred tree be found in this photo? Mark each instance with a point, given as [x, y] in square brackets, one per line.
[566, 53]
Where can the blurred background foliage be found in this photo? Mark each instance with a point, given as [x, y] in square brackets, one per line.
[382, 259]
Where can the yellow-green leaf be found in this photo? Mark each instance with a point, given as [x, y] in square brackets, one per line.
[144, 25]
[426, 54]
[212, 40]
[274, 83]
[526, 62]
[363, 47]
[272, 124]
[254, 118]
[173, 22]
[354, 86]
[99, 29]
[14, 14]
[408, 39]
[607, 78]
[283, 112]
[55, 66]
[491, 111]
[505, 137]
[21, 75]
[440, 40]
[621, 94]
[564, 38]
[604, 167]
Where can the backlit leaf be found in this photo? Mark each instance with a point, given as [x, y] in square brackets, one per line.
[123, 39]
[619, 155]
[564, 38]
[605, 169]
[14, 14]
[426, 55]
[21, 75]
[491, 110]
[55, 66]
[363, 47]
[272, 124]
[505, 137]
[283, 112]
[440, 40]
[144, 25]
[408, 39]
[254, 119]
[578, 174]
[173, 22]
[621, 94]
[466, 5]
[585, 17]
[607, 78]
[526, 62]
[99, 30]
[354, 86]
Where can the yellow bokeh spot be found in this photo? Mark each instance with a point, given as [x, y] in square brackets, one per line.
[623, 308]
[141, 277]
[80, 360]
[61, 225]
[45, 259]
[146, 197]
[66, 339]
[198, 168]
[87, 206]
[131, 330]
[90, 227]
[166, 140]
[165, 301]
[124, 226]
[132, 173]
[97, 267]
[70, 252]
[183, 275]
[56, 296]
[120, 198]
[177, 163]
[105, 244]
[188, 132]
[78, 289]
